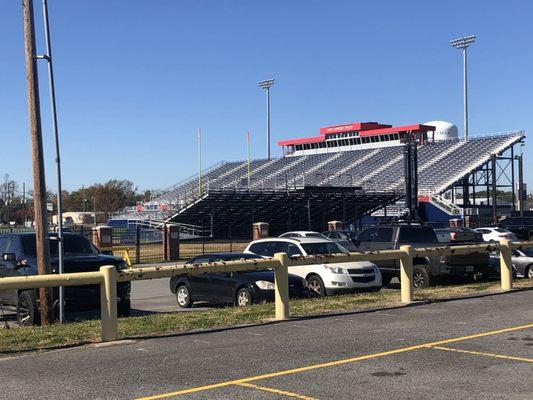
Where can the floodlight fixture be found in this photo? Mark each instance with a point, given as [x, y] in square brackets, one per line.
[265, 84]
[463, 42]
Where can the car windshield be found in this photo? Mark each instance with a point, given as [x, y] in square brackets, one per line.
[323, 248]
[72, 245]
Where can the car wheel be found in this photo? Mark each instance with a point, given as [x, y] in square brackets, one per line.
[183, 296]
[124, 308]
[243, 298]
[529, 272]
[27, 309]
[422, 277]
[316, 285]
[386, 279]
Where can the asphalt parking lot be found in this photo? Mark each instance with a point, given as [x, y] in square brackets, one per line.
[480, 348]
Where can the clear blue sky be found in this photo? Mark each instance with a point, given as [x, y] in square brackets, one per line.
[135, 79]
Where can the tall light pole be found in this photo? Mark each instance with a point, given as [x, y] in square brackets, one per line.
[48, 58]
[266, 85]
[462, 44]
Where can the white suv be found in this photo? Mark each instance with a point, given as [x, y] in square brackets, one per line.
[325, 279]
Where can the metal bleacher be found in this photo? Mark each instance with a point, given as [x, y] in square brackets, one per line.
[440, 165]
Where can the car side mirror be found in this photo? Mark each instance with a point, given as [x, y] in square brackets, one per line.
[9, 257]
[296, 255]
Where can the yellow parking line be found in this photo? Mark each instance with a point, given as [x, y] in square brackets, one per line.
[277, 391]
[478, 353]
[333, 363]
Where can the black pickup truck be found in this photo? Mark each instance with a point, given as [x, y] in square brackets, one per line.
[18, 258]
[426, 269]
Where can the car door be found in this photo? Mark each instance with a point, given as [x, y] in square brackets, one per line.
[199, 283]
[220, 286]
[7, 269]
[366, 239]
[383, 240]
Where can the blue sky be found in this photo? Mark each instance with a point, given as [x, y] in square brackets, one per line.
[135, 79]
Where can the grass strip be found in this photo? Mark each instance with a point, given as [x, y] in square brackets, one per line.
[77, 333]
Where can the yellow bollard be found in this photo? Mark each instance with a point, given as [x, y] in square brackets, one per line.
[108, 303]
[506, 265]
[127, 257]
[406, 274]
[281, 283]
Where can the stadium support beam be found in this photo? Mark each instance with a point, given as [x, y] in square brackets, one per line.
[521, 184]
[494, 188]
[411, 177]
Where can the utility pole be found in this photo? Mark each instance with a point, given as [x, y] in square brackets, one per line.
[39, 183]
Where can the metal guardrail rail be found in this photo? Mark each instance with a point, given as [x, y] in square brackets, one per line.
[108, 276]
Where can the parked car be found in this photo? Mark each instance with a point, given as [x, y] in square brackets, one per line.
[425, 269]
[496, 234]
[522, 227]
[18, 258]
[443, 235]
[238, 288]
[341, 234]
[301, 234]
[523, 262]
[323, 279]
[345, 238]
[465, 235]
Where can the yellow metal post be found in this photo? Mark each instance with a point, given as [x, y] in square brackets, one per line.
[281, 283]
[199, 162]
[406, 274]
[248, 172]
[506, 265]
[127, 257]
[108, 303]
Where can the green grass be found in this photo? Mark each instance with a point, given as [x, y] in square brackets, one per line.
[38, 338]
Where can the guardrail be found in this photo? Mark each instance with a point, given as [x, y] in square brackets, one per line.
[108, 276]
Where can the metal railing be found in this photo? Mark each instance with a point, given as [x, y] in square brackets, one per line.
[108, 276]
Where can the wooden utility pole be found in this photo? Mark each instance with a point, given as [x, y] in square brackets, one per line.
[39, 183]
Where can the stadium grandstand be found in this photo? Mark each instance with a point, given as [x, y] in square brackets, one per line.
[346, 173]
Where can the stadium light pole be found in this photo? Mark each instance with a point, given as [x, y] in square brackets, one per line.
[266, 84]
[462, 44]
